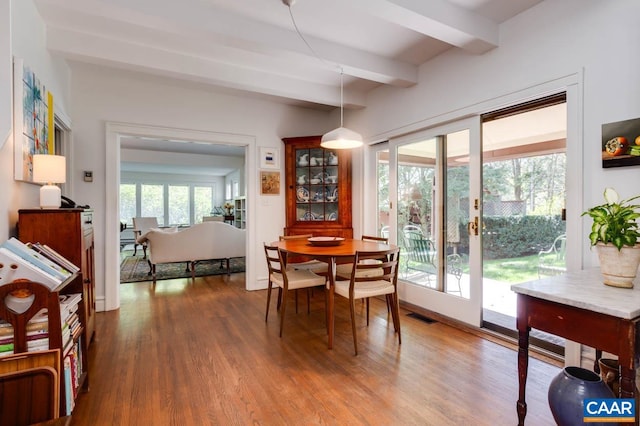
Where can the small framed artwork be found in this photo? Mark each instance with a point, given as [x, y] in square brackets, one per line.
[269, 183]
[621, 143]
[269, 158]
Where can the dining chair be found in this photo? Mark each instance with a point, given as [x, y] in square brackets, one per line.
[314, 265]
[372, 279]
[344, 270]
[286, 279]
[140, 226]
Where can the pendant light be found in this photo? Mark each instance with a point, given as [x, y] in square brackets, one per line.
[340, 138]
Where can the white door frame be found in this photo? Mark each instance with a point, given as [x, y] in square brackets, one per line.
[453, 306]
[114, 132]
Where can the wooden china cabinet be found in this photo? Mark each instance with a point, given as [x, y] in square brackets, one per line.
[318, 188]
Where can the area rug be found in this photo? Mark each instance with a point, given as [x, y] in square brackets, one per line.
[135, 269]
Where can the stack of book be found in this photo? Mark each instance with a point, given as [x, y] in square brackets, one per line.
[33, 261]
[37, 334]
[72, 347]
[38, 328]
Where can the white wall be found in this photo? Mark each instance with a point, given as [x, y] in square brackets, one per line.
[100, 96]
[594, 39]
[27, 36]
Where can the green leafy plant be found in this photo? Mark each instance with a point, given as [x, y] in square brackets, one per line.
[615, 221]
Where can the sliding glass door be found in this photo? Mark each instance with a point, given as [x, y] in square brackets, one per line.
[434, 198]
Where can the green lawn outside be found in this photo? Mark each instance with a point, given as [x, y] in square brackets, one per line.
[512, 270]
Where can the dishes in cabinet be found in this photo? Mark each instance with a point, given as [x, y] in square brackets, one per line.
[309, 216]
[333, 216]
[303, 161]
[333, 159]
[325, 241]
[333, 194]
[302, 194]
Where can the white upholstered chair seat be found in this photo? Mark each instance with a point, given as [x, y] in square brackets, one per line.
[298, 278]
[315, 266]
[343, 271]
[365, 289]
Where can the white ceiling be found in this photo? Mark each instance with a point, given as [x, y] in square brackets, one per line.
[251, 45]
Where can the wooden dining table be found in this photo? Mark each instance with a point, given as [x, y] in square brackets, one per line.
[332, 255]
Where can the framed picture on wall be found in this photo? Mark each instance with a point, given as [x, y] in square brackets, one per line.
[33, 120]
[269, 183]
[621, 143]
[269, 158]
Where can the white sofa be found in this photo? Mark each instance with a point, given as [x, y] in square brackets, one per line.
[202, 241]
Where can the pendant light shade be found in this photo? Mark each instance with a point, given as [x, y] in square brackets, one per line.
[341, 138]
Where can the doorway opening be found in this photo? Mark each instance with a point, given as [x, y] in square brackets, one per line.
[523, 207]
[115, 133]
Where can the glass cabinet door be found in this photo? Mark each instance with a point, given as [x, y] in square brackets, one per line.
[316, 182]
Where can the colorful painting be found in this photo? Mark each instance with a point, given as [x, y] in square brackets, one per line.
[621, 143]
[33, 120]
[270, 183]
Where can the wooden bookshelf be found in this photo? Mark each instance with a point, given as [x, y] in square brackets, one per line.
[70, 233]
[42, 297]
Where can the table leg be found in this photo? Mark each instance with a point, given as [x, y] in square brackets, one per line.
[627, 361]
[330, 307]
[523, 359]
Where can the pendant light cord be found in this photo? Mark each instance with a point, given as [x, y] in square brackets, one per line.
[341, 98]
[293, 20]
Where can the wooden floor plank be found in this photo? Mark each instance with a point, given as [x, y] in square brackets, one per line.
[185, 352]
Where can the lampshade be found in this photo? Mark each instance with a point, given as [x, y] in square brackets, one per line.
[49, 169]
[341, 138]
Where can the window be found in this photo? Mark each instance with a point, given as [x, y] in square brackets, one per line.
[179, 205]
[172, 204]
[152, 202]
[202, 202]
[127, 203]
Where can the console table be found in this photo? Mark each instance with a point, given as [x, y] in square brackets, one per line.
[579, 307]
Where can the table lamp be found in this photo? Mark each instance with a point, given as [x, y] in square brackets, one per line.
[49, 169]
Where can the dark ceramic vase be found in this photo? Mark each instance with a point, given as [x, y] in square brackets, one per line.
[567, 393]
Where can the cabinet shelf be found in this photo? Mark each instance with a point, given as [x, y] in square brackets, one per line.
[240, 212]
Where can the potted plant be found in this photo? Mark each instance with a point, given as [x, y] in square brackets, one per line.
[615, 235]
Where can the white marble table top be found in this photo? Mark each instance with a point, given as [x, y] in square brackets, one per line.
[585, 289]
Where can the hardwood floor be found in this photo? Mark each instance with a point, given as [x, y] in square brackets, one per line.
[197, 353]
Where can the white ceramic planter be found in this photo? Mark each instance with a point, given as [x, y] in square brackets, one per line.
[618, 267]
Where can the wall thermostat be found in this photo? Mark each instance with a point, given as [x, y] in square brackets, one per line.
[88, 176]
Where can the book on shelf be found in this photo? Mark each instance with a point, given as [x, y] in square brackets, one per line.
[35, 258]
[54, 256]
[69, 304]
[15, 267]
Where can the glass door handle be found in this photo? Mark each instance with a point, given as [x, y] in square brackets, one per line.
[472, 227]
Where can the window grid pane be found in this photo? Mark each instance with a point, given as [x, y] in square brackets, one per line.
[152, 202]
[202, 202]
[178, 205]
[127, 203]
